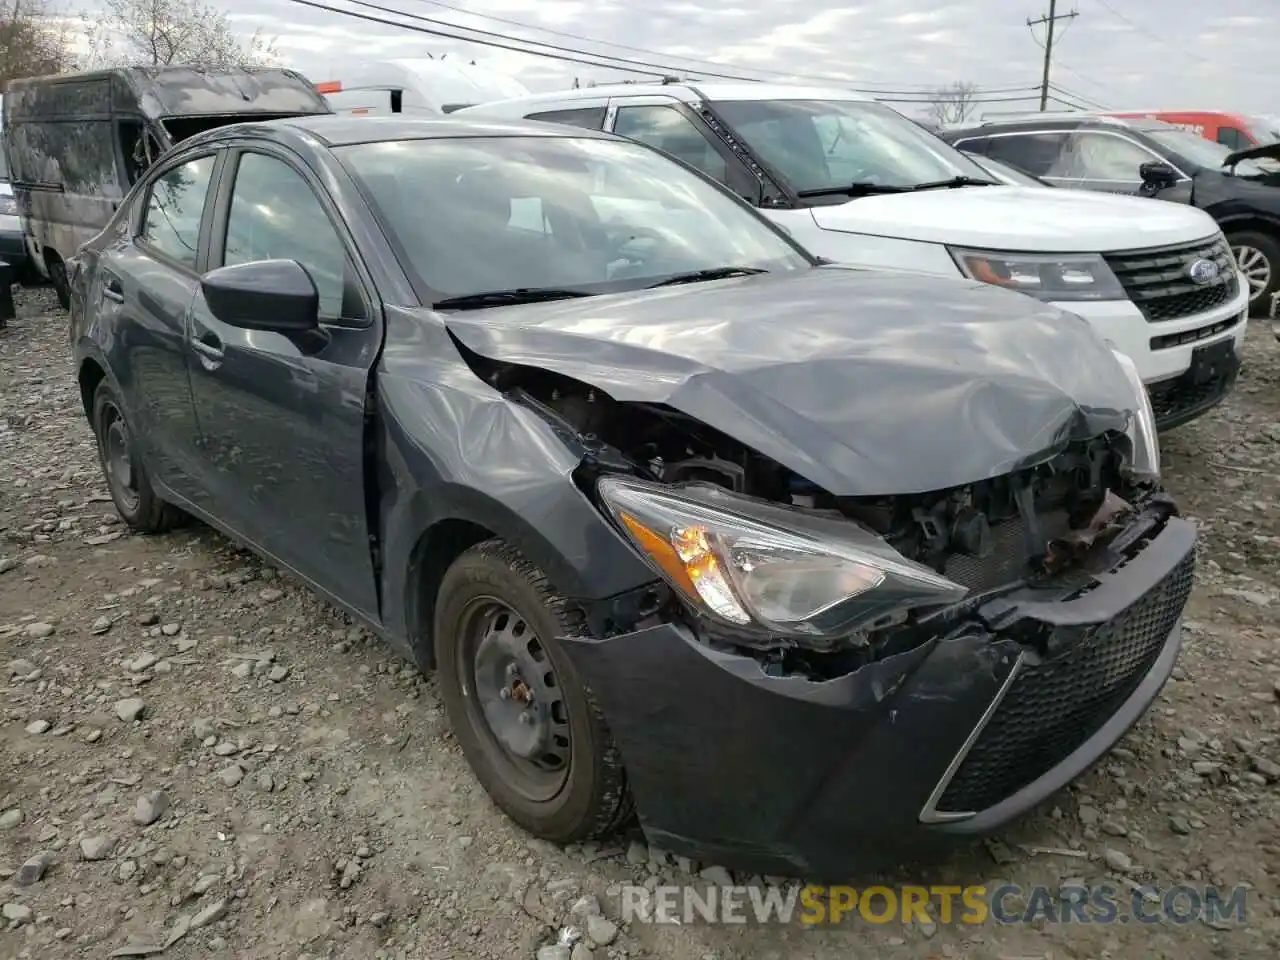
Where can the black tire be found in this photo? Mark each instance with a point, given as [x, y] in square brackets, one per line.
[131, 491]
[1268, 247]
[592, 799]
[58, 278]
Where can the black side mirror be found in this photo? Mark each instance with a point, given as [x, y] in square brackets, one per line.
[1157, 173]
[277, 295]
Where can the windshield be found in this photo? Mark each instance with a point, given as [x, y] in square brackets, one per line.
[1265, 129]
[1011, 175]
[822, 144]
[1202, 152]
[488, 214]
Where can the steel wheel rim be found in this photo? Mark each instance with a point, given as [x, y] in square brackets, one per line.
[1253, 263]
[513, 698]
[117, 457]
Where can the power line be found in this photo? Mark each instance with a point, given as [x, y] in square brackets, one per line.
[1049, 21]
[569, 54]
[922, 88]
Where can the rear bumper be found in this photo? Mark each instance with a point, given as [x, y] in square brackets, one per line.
[904, 757]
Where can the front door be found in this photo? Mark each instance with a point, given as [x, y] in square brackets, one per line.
[282, 419]
[149, 284]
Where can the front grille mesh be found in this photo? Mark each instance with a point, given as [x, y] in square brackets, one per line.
[1158, 282]
[1053, 707]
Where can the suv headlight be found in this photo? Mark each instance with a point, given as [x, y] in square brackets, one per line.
[1142, 428]
[1048, 276]
[763, 567]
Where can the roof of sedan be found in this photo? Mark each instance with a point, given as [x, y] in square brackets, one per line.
[340, 129]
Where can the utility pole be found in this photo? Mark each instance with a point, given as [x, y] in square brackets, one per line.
[1049, 21]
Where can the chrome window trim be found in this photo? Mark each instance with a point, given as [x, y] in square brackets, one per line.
[1182, 175]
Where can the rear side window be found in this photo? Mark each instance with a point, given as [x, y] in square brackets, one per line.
[590, 118]
[1232, 138]
[171, 222]
[1036, 153]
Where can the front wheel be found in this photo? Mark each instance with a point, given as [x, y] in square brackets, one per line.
[526, 722]
[122, 466]
[58, 279]
[1258, 258]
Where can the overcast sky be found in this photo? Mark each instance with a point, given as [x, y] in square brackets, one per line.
[1116, 53]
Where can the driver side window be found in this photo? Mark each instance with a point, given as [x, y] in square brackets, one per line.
[672, 132]
[275, 215]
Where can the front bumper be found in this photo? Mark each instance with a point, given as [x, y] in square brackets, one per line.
[903, 757]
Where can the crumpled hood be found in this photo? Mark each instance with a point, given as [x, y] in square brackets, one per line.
[863, 382]
[1027, 219]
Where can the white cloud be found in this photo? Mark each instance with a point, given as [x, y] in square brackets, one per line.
[1226, 61]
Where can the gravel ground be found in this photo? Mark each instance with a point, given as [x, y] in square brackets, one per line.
[198, 751]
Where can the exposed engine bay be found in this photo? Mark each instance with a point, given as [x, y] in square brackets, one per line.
[1050, 522]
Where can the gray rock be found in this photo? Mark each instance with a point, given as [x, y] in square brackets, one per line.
[10, 819]
[142, 661]
[151, 807]
[587, 906]
[1179, 826]
[98, 847]
[226, 748]
[131, 709]
[277, 674]
[101, 626]
[171, 629]
[1265, 767]
[16, 913]
[554, 952]
[210, 914]
[7, 564]
[185, 643]
[637, 853]
[38, 726]
[271, 594]
[39, 630]
[231, 775]
[1117, 860]
[581, 951]
[1205, 768]
[202, 728]
[1089, 816]
[242, 670]
[1114, 828]
[601, 930]
[31, 871]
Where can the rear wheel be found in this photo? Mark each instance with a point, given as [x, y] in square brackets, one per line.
[58, 278]
[126, 475]
[1258, 258]
[526, 721]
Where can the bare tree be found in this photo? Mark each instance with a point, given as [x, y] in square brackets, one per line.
[953, 104]
[178, 32]
[32, 41]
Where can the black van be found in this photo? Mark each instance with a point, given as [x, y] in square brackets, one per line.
[77, 142]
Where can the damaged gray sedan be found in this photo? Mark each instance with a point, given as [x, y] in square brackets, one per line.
[809, 567]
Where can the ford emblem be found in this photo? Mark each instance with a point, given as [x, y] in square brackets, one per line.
[1203, 271]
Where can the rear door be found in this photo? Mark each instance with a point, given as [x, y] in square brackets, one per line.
[282, 419]
[143, 291]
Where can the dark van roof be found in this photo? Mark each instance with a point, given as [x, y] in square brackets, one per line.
[165, 92]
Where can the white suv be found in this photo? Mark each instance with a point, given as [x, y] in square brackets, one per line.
[857, 182]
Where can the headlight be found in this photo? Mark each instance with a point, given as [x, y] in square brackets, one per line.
[755, 565]
[1142, 428]
[1049, 276]
[8, 207]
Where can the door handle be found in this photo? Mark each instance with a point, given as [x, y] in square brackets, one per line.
[209, 346]
[112, 290]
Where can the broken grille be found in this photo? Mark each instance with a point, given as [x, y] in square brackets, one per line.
[1053, 707]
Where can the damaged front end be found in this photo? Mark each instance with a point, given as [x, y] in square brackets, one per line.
[967, 650]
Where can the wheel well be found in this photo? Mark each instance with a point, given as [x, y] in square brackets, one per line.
[1253, 224]
[90, 376]
[51, 257]
[432, 556]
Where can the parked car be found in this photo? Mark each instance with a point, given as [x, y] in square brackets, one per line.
[1235, 131]
[415, 85]
[1101, 153]
[13, 249]
[681, 517]
[857, 182]
[75, 142]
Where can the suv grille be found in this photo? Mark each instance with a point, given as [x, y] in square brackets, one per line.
[1157, 280]
[1052, 707]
